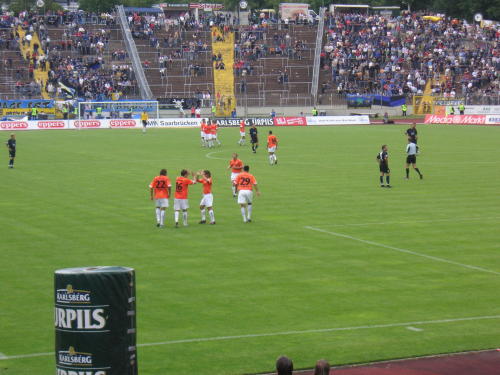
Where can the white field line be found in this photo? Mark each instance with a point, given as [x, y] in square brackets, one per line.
[209, 156]
[406, 251]
[414, 329]
[287, 333]
[409, 222]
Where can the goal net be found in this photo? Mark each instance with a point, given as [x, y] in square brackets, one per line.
[123, 109]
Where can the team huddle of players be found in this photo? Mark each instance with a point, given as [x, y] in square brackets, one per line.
[243, 183]
[209, 133]
[412, 151]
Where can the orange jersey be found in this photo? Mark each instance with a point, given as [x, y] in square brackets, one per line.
[272, 141]
[242, 126]
[160, 184]
[207, 185]
[181, 187]
[203, 126]
[236, 165]
[213, 128]
[245, 181]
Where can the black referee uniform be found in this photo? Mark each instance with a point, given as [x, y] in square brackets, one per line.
[11, 145]
[383, 160]
[254, 139]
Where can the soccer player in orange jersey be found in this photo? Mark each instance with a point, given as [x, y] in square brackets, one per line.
[205, 178]
[245, 183]
[241, 142]
[181, 197]
[215, 127]
[272, 145]
[202, 133]
[160, 190]
[236, 166]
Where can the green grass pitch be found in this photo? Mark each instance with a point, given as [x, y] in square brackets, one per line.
[80, 198]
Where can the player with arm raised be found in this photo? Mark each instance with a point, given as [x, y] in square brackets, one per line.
[272, 146]
[181, 197]
[205, 178]
[241, 142]
[245, 183]
[236, 166]
[383, 161]
[160, 190]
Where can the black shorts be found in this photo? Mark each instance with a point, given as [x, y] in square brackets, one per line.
[144, 123]
[254, 140]
[12, 154]
[384, 168]
[411, 159]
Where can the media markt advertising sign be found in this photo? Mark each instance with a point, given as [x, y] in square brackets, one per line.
[95, 323]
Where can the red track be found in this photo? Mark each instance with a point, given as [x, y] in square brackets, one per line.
[474, 363]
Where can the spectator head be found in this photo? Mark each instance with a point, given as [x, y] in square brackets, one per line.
[284, 365]
[322, 367]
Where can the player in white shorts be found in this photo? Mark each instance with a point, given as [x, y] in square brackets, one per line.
[160, 189]
[202, 133]
[181, 196]
[272, 145]
[236, 166]
[241, 142]
[207, 201]
[245, 183]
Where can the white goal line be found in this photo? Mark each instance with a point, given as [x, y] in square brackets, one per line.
[284, 333]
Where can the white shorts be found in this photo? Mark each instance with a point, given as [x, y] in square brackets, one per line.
[181, 204]
[271, 149]
[203, 135]
[208, 137]
[242, 134]
[163, 202]
[207, 200]
[234, 175]
[245, 196]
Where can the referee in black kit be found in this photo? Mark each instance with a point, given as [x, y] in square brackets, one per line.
[411, 132]
[411, 158]
[383, 161]
[254, 138]
[11, 145]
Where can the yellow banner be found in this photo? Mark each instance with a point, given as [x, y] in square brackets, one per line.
[27, 111]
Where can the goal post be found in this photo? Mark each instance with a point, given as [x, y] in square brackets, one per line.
[123, 109]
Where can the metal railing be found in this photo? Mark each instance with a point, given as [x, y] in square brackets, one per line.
[142, 82]
[319, 42]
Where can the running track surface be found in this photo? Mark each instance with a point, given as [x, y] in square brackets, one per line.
[475, 363]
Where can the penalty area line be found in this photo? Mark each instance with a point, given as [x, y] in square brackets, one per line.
[401, 250]
[287, 333]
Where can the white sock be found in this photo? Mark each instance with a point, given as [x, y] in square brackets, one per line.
[185, 217]
[162, 217]
[249, 216]
[233, 188]
[275, 158]
[212, 216]
[176, 216]
[144, 130]
[270, 159]
[243, 214]
[203, 216]
[157, 215]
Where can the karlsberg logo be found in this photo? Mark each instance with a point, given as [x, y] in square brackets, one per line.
[70, 295]
[71, 357]
[84, 318]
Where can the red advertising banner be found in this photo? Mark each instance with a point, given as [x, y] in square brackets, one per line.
[14, 125]
[290, 121]
[456, 119]
[50, 124]
[122, 123]
[87, 124]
